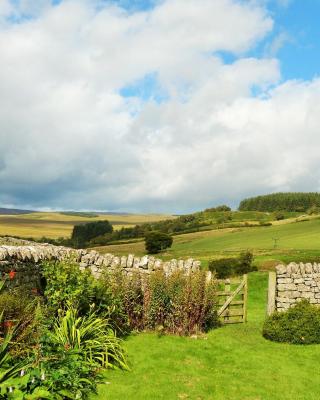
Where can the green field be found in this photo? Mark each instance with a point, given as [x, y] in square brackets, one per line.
[230, 363]
[55, 224]
[298, 241]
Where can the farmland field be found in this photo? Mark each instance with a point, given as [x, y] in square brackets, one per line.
[294, 241]
[55, 224]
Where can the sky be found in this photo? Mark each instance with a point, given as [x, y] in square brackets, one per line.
[157, 105]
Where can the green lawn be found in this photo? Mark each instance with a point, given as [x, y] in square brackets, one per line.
[229, 363]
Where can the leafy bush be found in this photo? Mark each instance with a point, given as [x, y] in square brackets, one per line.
[278, 216]
[67, 360]
[221, 208]
[90, 336]
[156, 241]
[313, 210]
[226, 267]
[66, 285]
[299, 325]
[223, 267]
[19, 310]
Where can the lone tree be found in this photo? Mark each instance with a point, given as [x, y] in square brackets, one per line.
[81, 234]
[156, 241]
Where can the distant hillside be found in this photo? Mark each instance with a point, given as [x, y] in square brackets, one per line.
[291, 201]
[14, 211]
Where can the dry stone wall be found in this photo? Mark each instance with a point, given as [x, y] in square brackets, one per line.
[295, 282]
[21, 264]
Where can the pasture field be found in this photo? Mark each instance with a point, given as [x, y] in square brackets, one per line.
[55, 224]
[296, 241]
[229, 363]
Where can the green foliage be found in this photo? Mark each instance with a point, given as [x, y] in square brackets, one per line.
[66, 361]
[278, 216]
[313, 210]
[83, 233]
[296, 201]
[218, 208]
[90, 336]
[66, 285]
[226, 267]
[157, 241]
[299, 325]
[177, 304]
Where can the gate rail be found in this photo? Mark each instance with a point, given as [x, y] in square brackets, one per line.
[232, 304]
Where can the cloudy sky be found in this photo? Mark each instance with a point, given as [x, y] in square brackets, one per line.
[163, 106]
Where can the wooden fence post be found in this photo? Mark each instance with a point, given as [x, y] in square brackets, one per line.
[245, 298]
[272, 292]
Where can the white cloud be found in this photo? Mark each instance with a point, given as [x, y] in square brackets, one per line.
[69, 140]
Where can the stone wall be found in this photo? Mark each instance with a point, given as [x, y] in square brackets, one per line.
[21, 264]
[295, 282]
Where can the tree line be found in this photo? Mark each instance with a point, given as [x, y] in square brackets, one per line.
[291, 202]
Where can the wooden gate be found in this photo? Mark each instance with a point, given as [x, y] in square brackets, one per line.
[232, 300]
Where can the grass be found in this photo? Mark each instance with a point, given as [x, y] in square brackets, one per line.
[54, 224]
[297, 241]
[230, 363]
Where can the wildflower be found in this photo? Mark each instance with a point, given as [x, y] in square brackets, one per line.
[22, 372]
[43, 377]
[34, 291]
[12, 274]
[8, 324]
[10, 389]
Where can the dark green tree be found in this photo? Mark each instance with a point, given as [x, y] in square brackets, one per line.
[83, 233]
[156, 241]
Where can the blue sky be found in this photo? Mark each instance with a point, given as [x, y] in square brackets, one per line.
[294, 41]
[157, 105]
[300, 53]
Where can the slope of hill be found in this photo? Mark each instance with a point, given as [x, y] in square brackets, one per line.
[14, 211]
[56, 224]
[297, 240]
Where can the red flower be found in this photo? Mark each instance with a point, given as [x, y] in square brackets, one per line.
[8, 324]
[12, 274]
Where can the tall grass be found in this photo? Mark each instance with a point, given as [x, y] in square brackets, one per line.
[178, 304]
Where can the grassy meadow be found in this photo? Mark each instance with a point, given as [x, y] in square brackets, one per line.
[295, 241]
[229, 363]
[55, 224]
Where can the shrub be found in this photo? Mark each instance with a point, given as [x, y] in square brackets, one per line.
[299, 325]
[65, 284]
[218, 208]
[278, 216]
[223, 267]
[156, 241]
[179, 304]
[20, 310]
[66, 361]
[226, 267]
[313, 210]
[90, 336]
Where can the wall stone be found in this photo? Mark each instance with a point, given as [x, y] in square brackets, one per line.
[296, 282]
[21, 264]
